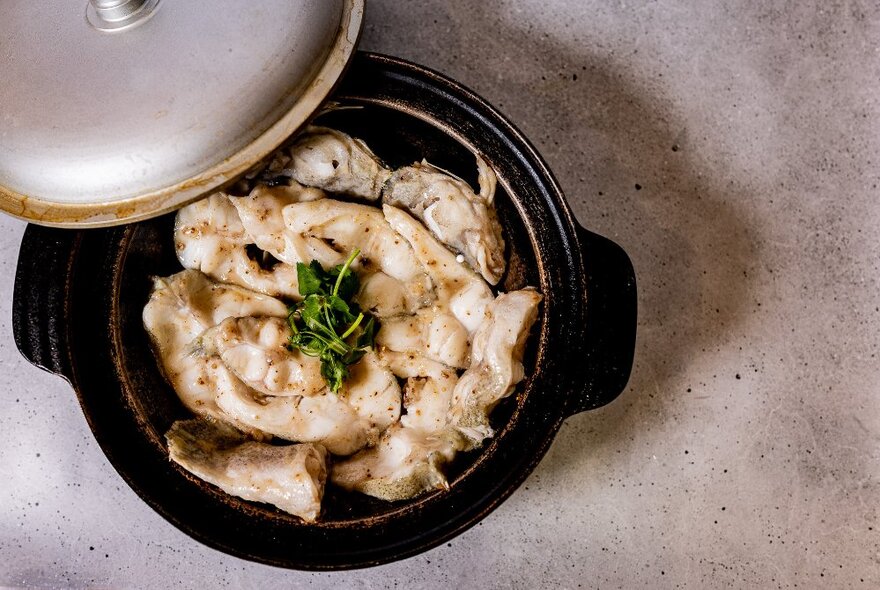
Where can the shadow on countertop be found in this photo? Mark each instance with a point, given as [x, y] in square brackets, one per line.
[626, 164]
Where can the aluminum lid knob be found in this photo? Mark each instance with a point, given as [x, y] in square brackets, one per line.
[118, 15]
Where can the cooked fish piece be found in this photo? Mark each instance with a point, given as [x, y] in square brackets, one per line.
[334, 228]
[255, 350]
[405, 463]
[461, 219]
[459, 289]
[210, 237]
[336, 162]
[383, 296]
[322, 418]
[427, 395]
[290, 477]
[431, 333]
[191, 294]
[427, 401]
[260, 215]
[344, 422]
[374, 393]
[408, 459]
[179, 309]
[496, 363]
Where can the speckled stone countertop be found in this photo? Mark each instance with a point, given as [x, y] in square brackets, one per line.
[733, 150]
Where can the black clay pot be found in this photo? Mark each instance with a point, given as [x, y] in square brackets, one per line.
[79, 297]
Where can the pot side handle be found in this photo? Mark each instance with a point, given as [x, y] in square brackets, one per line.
[39, 300]
[610, 332]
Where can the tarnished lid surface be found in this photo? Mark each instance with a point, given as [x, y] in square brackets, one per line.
[116, 110]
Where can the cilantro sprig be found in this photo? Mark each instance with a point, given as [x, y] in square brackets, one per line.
[327, 323]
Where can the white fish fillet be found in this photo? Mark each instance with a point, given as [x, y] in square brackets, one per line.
[461, 219]
[289, 477]
[180, 308]
[336, 162]
[209, 237]
[459, 289]
[430, 333]
[344, 422]
[323, 418]
[261, 216]
[496, 363]
[255, 350]
[405, 463]
[428, 391]
[409, 458]
[374, 393]
[332, 229]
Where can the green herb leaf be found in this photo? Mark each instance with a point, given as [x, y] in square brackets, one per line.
[309, 278]
[311, 312]
[348, 285]
[367, 339]
[327, 324]
[312, 346]
[334, 371]
[353, 356]
[338, 305]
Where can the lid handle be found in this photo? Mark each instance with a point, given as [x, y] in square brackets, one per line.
[117, 15]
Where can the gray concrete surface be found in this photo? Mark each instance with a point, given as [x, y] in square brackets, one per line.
[733, 150]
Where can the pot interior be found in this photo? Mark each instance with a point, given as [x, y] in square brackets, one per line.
[398, 138]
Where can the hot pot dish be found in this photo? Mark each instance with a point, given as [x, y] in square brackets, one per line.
[353, 353]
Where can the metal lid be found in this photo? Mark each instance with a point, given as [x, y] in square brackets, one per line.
[118, 110]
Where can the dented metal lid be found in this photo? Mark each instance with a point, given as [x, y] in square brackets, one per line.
[118, 110]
